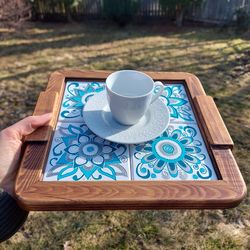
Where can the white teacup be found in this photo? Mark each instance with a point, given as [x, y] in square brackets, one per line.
[129, 95]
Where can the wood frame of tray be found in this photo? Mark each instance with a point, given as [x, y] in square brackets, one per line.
[32, 193]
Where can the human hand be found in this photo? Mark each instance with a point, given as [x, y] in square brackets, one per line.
[11, 140]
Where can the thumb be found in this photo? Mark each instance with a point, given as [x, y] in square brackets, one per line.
[28, 125]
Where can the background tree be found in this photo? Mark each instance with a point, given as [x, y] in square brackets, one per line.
[63, 6]
[14, 12]
[68, 5]
[242, 20]
[179, 7]
[121, 11]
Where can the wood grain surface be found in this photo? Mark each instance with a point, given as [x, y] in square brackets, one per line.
[34, 194]
[47, 103]
[210, 118]
[127, 194]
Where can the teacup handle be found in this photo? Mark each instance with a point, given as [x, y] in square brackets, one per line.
[159, 85]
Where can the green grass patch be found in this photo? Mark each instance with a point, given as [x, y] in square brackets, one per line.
[221, 61]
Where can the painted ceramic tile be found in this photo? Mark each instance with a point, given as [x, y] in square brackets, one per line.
[76, 95]
[178, 154]
[77, 154]
[175, 97]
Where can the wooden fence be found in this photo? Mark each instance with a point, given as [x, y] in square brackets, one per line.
[217, 11]
[210, 11]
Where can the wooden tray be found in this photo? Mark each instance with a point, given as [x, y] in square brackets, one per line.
[35, 192]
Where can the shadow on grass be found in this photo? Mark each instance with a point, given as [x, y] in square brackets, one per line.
[72, 35]
[66, 36]
[45, 69]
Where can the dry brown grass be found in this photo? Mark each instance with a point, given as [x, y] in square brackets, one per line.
[219, 59]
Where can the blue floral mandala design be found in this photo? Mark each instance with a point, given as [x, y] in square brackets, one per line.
[175, 153]
[76, 98]
[177, 102]
[80, 154]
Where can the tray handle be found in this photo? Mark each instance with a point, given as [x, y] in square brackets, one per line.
[212, 122]
[47, 103]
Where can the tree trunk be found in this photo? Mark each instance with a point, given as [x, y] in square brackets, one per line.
[179, 17]
[69, 18]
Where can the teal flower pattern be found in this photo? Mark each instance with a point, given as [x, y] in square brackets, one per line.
[76, 95]
[177, 154]
[175, 97]
[78, 154]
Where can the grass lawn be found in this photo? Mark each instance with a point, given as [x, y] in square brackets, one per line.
[222, 62]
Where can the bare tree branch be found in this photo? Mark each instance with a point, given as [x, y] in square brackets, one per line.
[14, 12]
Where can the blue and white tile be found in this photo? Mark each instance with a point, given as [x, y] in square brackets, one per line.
[76, 154]
[77, 93]
[178, 154]
[176, 99]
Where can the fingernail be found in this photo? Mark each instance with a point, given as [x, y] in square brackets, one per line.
[49, 115]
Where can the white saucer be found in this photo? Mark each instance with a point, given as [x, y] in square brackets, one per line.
[99, 119]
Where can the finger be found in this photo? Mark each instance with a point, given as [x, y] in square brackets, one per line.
[41, 120]
[28, 125]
